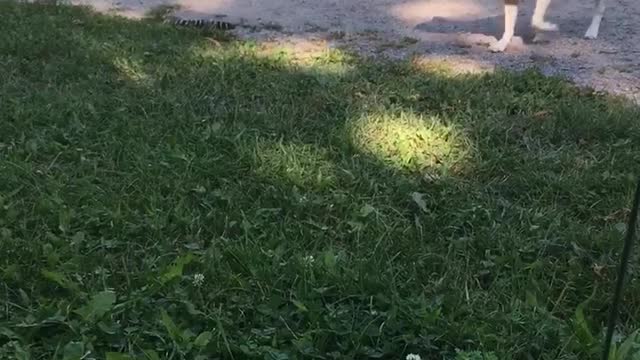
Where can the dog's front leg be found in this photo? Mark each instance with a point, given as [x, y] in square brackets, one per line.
[594, 28]
[510, 18]
[537, 21]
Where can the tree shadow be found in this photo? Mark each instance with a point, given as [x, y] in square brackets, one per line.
[572, 26]
[491, 26]
[340, 208]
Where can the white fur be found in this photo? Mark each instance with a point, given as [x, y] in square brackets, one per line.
[540, 24]
[510, 18]
[598, 14]
[537, 21]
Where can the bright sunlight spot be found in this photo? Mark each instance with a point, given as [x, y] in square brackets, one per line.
[451, 65]
[419, 11]
[411, 141]
[131, 70]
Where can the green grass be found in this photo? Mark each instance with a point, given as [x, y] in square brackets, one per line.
[337, 208]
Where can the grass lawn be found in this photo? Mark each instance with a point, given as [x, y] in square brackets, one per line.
[165, 196]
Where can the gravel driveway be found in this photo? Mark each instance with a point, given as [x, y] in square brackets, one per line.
[450, 30]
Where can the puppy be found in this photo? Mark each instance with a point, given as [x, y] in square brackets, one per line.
[538, 22]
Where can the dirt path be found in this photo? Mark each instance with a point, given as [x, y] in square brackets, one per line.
[450, 30]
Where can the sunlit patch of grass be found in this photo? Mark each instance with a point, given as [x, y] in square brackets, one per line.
[303, 165]
[305, 56]
[410, 141]
[133, 71]
[451, 66]
[327, 66]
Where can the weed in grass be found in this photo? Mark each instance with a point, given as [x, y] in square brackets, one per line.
[161, 198]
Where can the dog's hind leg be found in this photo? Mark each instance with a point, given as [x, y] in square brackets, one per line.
[510, 18]
[537, 21]
[598, 14]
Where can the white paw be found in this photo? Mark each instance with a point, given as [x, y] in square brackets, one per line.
[591, 34]
[545, 26]
[499, 46]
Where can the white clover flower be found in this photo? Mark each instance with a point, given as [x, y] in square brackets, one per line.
[413, 357]
[198, 280]
[308, 260]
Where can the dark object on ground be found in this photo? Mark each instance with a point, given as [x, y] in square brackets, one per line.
[208, 23]
[622, 271]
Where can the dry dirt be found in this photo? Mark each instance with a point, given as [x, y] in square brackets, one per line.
[455, 31]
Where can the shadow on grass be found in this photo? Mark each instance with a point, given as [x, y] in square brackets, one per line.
[336, 208]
